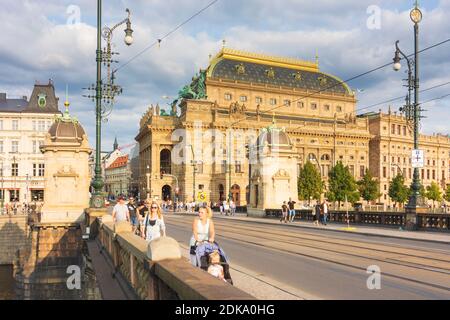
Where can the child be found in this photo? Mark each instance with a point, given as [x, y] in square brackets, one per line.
[215, 268]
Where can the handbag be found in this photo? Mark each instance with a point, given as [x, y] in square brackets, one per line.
[193, 250]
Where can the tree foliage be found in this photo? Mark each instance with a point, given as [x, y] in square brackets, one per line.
[434, 192]
[342, 185]
[447, 193]
[368, 187]
[398, 192]
[310, 183]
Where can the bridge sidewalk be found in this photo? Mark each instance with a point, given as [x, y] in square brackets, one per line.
[357, 229]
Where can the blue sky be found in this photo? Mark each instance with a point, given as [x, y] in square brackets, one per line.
[44, 43]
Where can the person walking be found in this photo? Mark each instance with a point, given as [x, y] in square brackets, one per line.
[325, 212]
[316, 214]
[284, 212]
[134, 219]
[202, 230]
[291, 205]
[120, 211]
[153, 226]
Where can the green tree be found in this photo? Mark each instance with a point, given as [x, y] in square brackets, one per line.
[310, 183]
[368, 187]
[434, 193]
[342, 185]
[398, 192]
[447, 193]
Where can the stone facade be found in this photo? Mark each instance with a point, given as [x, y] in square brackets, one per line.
[245, 92]
[118, 177]
[390, 153]
[23, 125]
[67, 178]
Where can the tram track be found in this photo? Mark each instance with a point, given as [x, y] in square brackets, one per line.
[329, 249]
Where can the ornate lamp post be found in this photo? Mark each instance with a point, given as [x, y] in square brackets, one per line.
[416, 203]
[107, 92]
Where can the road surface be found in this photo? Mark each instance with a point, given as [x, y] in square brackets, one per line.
[329, 265]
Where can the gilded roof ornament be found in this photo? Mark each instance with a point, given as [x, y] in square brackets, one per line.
[240, 68]
[322, 81]
[297, 76]
[270, 73]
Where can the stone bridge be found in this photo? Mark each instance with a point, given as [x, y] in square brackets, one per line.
[154, 271]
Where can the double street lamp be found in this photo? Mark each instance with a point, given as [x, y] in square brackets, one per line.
[106, 92]
[412, 112]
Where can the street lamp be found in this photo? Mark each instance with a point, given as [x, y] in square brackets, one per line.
[416, 203]
[194, 169]
[148, 182]
[106, 92]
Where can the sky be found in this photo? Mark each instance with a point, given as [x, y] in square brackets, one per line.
[57, 40]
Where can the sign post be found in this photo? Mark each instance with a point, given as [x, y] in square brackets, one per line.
[417, 158]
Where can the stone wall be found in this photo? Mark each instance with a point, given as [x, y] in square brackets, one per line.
[156, 271]
[14, 235]
[42, 269]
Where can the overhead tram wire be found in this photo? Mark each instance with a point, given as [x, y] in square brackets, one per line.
[401, 97]
[158, 41]
[342, 82]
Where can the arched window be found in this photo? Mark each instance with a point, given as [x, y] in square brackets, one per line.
[325, 157]
[165, 162]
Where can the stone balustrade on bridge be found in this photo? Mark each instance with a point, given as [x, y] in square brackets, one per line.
[156, 270]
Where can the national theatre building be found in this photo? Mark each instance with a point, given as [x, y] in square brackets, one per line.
[242, 93]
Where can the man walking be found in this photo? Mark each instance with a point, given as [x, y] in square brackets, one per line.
[325, 212]
[131, 206]
[316, 214]
[120, 211]
[284, 212]
[291, 205]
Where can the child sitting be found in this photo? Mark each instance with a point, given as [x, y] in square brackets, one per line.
[215, 268]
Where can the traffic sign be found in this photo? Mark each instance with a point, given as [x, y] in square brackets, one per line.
[201, 196]
[417, 158]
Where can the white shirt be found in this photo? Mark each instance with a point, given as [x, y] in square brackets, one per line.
[121, 211]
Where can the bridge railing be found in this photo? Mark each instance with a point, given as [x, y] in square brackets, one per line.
[156, 271]
[426, 221]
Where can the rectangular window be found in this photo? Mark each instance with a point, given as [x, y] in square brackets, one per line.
[326, 107]
[362, 171]
[228, 96]
[1, 146]
[434, 175]
[238, 167]
[34, 146]
[385, 187]
[384, 158]
[41, 126]
[243, 98]
[1, 124]
[224, 166]
[338, 109]
[399, 129]
[15, 125]
[259, 100]
[200, 167]
[352, 170]
[273, 101]
[409, 173]
[34, 125]
[404, 130]
[15, 170]
[287, 103]
[300, 104]
[393, 129]
[443, 174]
[35, 169]
[423, 174]
[313, 106]
[14, 146]
[384, 172]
